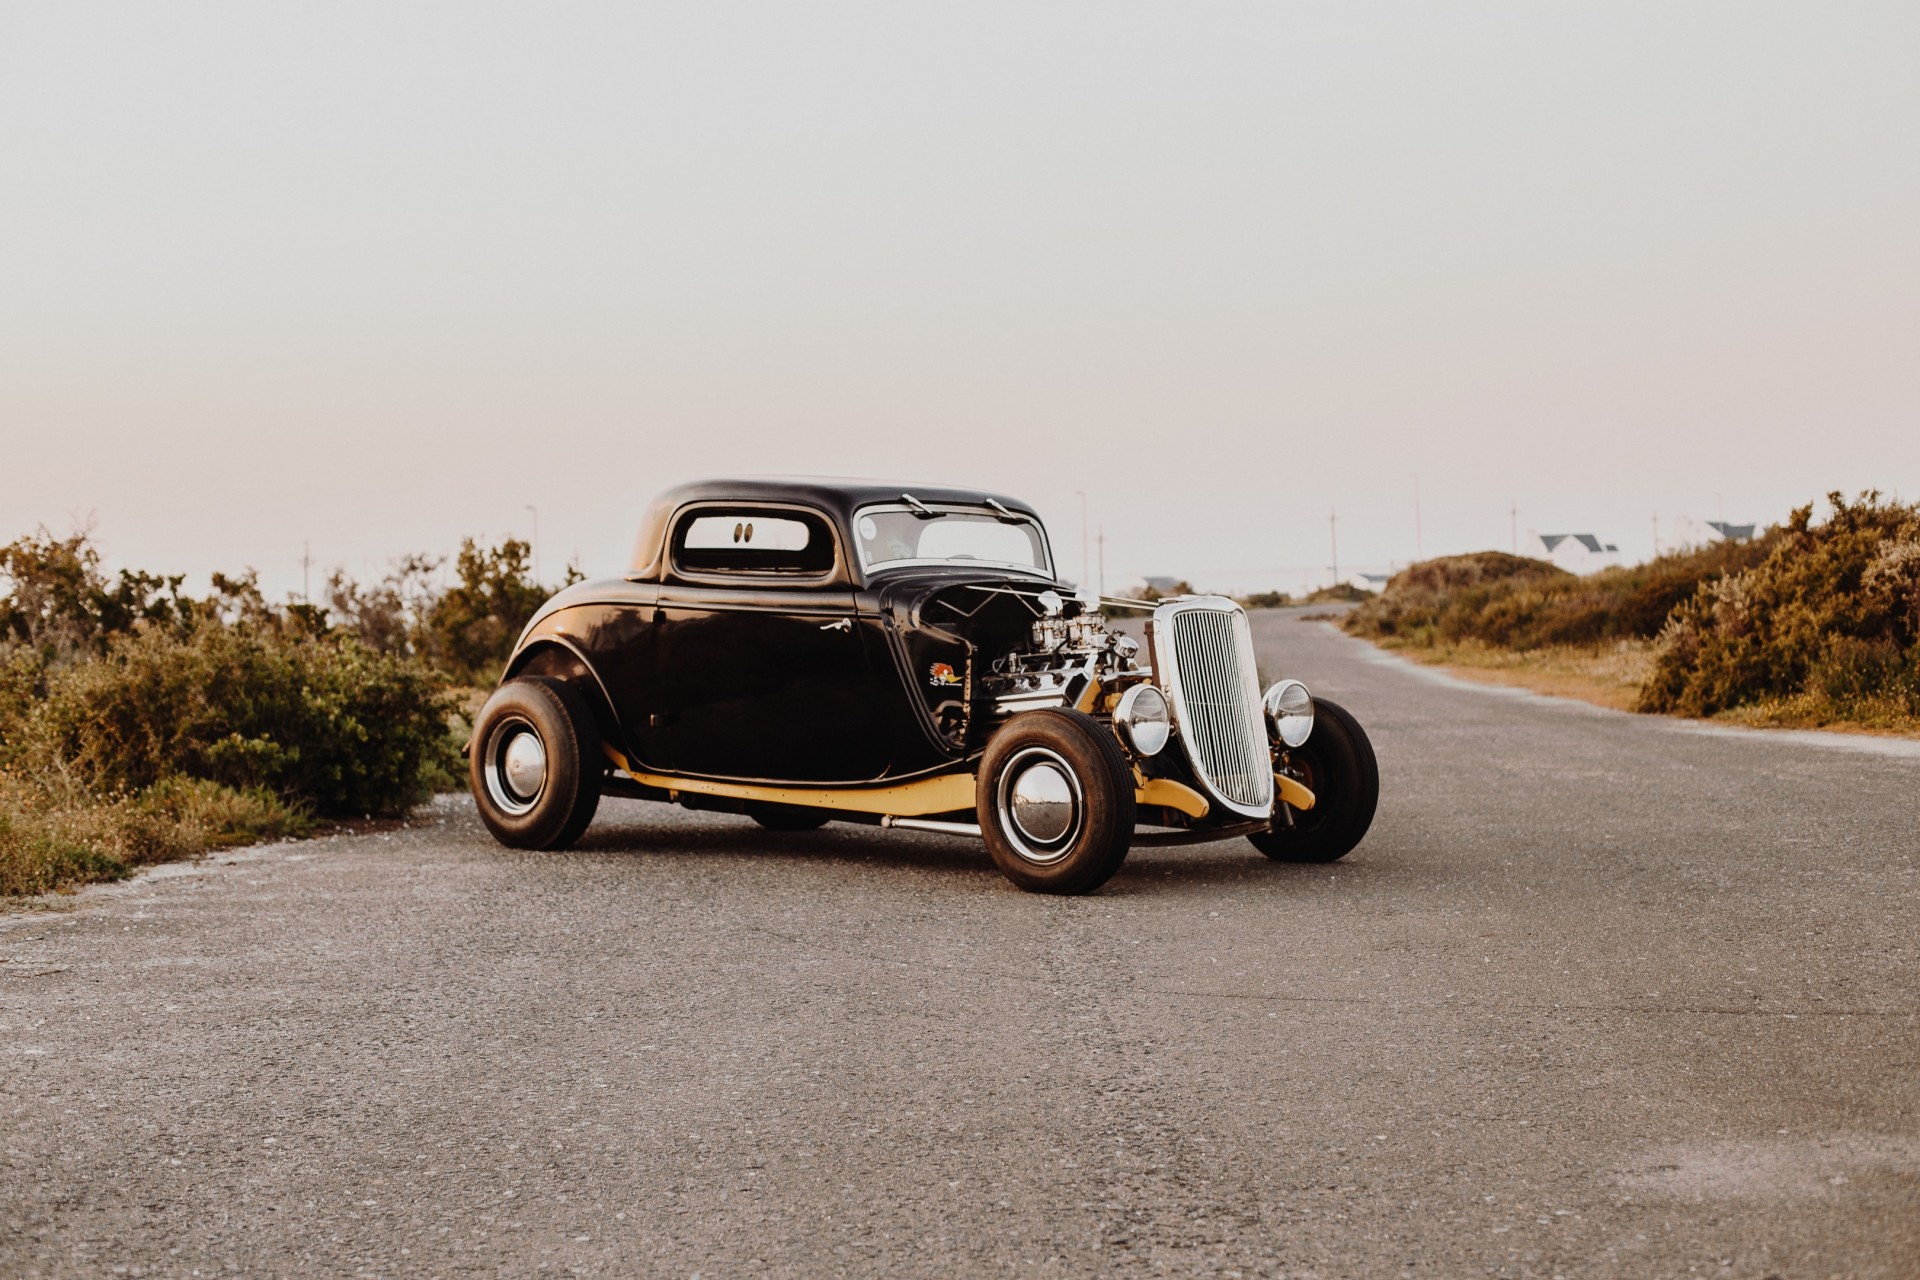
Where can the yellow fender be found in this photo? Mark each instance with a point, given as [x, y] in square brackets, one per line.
[1174, 795]
[1292, 792]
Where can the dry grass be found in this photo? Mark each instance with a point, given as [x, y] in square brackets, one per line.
[1876, 717]
[54, 837]
[1612, 676]
[1608, 675]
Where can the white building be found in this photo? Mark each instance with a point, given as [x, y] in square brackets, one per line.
[1688, 532]
[1373, 582]
[1575, 552]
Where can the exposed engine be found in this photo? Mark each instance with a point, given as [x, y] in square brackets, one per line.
[1012, 649]
[1064, 655]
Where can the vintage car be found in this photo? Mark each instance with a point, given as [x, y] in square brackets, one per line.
[807, 651]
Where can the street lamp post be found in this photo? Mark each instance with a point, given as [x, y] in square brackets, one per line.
[1333, 542]
[1419, 548]
[1085, 563]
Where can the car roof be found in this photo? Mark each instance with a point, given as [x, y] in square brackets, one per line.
[838, 498]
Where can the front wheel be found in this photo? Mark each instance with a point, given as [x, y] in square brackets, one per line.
[1335, 763]
[1055, 802]
[535, 769]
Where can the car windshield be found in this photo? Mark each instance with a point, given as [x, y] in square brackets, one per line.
[901, 535]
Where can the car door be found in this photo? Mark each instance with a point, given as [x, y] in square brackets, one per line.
[762, 668]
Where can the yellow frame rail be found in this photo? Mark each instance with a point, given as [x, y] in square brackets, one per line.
[943, 794]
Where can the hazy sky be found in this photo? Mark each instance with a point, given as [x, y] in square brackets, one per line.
[377, 276]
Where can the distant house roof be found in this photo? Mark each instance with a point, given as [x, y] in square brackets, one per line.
[1732, 532]
[1163, 584]
[1587, 540]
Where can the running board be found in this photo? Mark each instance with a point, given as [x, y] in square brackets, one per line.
[1199, 835]
[1141, 839]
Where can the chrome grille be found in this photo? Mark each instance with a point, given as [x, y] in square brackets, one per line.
[1203, 651]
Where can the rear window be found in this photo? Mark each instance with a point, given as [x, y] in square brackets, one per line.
[746, 540]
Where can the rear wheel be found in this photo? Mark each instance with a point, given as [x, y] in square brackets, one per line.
[1335, 763]
[536, 766]
[1055, 802]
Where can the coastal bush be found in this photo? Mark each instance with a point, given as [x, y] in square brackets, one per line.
[1813, 623]
[387, 616]
[1825, 627]
[1513, 602]
[465, 630]
[471, 628]
[59, 603]
[1448, 598]
[320, 721]
[138, 723]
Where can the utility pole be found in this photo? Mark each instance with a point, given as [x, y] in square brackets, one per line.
[1101, 542]
[1085, 565]
[1333, 541]
[1419, 552]
[1656, 534]
[536, 541]
[306, 573]
[1513, 516]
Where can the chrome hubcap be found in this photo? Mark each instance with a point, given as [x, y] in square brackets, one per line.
[526, 764]
[1042, 807]
[516, 766]
[1042, 803]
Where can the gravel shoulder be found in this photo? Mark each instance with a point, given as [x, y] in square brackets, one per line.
[1601, 995]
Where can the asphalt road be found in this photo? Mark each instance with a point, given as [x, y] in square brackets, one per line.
[1600, 996]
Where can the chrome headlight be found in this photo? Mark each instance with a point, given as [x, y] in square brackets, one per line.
[1143, 719]
[1289, 712]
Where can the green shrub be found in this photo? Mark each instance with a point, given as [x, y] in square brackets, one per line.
[1447, 598]
[472, 627]
[1830, 618]
[138, 724]
[60, 605]
[320, 721]
[1809, 624]
[388, 616]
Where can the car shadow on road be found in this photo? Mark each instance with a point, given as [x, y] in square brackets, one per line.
[1149, 872]
[741, 837]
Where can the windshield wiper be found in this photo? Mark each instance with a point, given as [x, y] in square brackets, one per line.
[921, 510]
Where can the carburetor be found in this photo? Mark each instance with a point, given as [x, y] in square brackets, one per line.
[1083, 633]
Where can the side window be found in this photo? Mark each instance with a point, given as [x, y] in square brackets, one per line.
[744, 540]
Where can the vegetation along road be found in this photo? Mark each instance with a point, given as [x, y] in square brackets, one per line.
[1601, 995]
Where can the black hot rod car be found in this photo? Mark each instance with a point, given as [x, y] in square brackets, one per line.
[806, 651]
